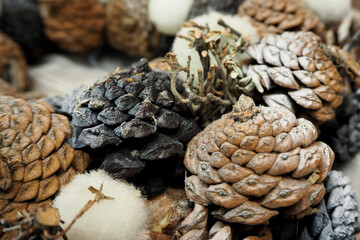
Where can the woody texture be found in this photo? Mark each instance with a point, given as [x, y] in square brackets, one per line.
[254, 161]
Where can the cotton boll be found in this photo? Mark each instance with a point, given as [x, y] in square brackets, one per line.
[125, 217]
[330, 10]
[181, 46]
[168, 16]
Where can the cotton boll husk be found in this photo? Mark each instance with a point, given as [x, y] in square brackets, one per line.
[330, 10]
[125, 217]
[181, 46]
[168, 16]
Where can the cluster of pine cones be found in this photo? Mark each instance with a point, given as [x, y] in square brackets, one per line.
[257, 172]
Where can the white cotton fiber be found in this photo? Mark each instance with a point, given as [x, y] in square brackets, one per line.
[125, 217]
[169, 15]
[330, 10]
[181, 46]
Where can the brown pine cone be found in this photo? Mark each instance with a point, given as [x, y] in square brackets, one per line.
[13, 66]
[129, 29]
[35, 160]
[255, 160]
[277, 16]
[8, 90]
[74, 25]
[295, 64]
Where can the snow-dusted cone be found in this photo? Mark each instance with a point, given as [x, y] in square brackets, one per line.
[336, 217]
[293, 68]
[35, 160]
[254, 161]
[129, 29]
[74, 25]
[13, 65]
[279, 16]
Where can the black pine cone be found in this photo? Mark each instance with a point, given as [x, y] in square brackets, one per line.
[335, 218]
[134, 117]
[344, 131]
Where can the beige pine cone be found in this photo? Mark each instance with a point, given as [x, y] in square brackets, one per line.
[74, 25]
[8, 90]
[13, 65]
[129, 29]
[293, 67]
[255, 160]
[35, 160]
[277, 16]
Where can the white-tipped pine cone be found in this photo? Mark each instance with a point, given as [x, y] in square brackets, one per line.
[74, 25]
[281, 15]
[255, 160]
[293, 67]
[35, 160]
[129, 29]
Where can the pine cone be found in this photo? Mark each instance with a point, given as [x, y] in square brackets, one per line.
[343, 133]
[135, 116]
[129, 28]
[74, 25]
[194, 226]
[295, 63]
[21, 21]
[255, 160]
[13, 66]
[281, 15]
[34, 224]
[34, 157]
[336, 217]
[8, 90]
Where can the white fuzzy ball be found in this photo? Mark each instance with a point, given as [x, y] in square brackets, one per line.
[125, 217]
[169, 15]
[330, 10]
[181, 46]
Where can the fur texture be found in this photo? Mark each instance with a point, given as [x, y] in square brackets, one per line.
[330, 10]
[181, 46]
[168, 16]
[126, 217]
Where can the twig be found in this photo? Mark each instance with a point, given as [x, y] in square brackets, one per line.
[232, 30]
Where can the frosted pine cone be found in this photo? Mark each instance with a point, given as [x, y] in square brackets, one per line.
[295, 63]
[74, 25]
[34, 157]
[13, 66]
[336, 217]
[279, 16]
[134, 114]
[129, 28]
[255, 160]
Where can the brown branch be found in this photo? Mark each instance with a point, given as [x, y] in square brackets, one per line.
[232, 30]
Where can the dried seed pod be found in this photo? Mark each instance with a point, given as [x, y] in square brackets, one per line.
[13, 66]
[279, 16]
[296, 62]
[129, 28]
[74, 25]
[34, 156]
[133, 116]
[252, 187]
